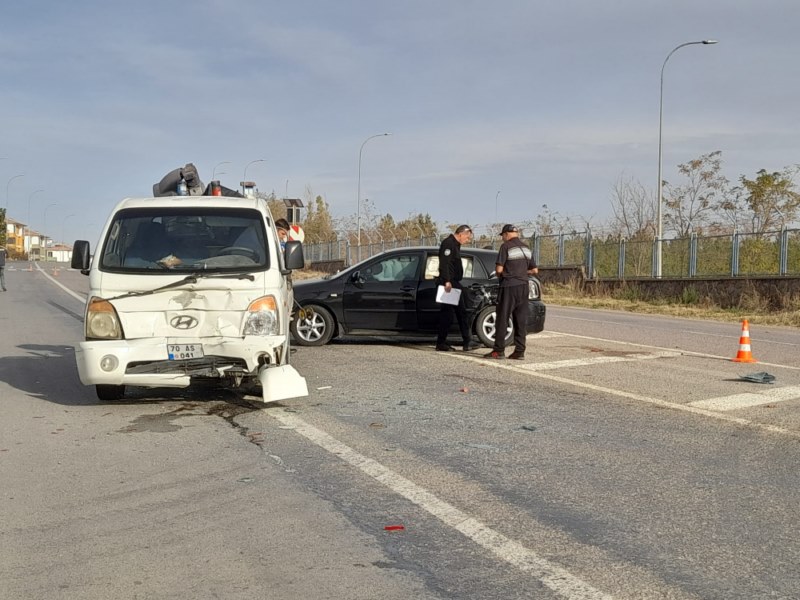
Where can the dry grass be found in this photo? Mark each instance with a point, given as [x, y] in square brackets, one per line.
[757, 312]
[307, 274]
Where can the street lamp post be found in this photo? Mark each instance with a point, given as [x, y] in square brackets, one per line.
[8, 184]
[63, 224]
[214, 170]
[659, 218]
[358, 199]
[244, 178]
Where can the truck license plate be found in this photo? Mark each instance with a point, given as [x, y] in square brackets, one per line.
[184, 351]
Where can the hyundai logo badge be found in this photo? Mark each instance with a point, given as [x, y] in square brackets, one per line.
[183, 322]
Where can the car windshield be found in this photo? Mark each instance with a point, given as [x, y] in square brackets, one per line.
[185, 239]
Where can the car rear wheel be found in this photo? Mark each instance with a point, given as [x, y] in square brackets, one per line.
[110, 392]
[485, 327]
[312, 326]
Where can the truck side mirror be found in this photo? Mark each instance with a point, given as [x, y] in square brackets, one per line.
[80, 256]
[293, 255]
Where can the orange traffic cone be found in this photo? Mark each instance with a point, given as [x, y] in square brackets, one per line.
[744, 355]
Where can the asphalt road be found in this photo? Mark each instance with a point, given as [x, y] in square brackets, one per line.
[624, 458]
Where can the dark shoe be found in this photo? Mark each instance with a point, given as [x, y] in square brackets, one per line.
[471, 346]
[494, 354]
[444, 348]
[517, 355]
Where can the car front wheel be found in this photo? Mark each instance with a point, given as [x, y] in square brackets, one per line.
[312, 326]
[485, 327]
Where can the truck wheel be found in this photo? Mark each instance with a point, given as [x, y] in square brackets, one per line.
[110, 392]
[314, 327]
[485, 327]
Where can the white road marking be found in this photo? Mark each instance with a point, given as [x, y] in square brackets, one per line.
[597, 360]
[747, 400]
[697, 410]
[544, 335]
[78, 297]
[549, 574]
[684, 352]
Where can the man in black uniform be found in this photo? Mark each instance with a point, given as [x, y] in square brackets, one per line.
[514, 264]
[451, 271]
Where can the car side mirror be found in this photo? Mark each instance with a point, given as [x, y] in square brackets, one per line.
[357, 278]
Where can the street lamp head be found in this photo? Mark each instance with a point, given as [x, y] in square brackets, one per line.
[710, 42]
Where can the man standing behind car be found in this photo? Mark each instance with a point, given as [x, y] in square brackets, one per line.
[451, 271]
[514, 264]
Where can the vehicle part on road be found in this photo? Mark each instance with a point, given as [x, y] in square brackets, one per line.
[760, 377]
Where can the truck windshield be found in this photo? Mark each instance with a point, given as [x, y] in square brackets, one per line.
[185, 239]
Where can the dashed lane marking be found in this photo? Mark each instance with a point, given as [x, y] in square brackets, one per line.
[558, 579]
[737, 401]
[597, 360]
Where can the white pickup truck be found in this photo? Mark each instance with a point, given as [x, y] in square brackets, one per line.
[185, 289]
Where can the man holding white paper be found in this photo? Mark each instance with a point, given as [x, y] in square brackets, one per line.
[450, 293]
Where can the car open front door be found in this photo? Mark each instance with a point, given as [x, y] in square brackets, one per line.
[382, 295]
[427, 307]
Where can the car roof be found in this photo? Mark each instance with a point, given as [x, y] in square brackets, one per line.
[470, 249]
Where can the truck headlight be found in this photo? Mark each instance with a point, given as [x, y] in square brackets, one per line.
[102, 321]
[262, 317]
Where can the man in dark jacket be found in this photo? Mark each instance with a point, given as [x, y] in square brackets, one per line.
[451, 271]
[514, 264]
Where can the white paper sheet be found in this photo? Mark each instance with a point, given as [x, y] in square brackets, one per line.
[450, 297]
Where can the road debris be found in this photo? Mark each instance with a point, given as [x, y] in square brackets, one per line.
[760, 377]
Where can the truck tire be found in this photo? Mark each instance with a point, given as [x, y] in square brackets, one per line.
[314, 329]
[485, 327]
[110, 392]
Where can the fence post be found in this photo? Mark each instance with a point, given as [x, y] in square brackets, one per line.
[654, 268]
[784, 254]
[692, 254]
[560, 249]
[589, 254]
[735, 254]
[536, 248]
[621, 259]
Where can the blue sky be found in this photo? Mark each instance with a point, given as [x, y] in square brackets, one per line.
[544, 102]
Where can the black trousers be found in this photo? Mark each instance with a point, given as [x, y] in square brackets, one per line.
[512, 302]
[446, 312]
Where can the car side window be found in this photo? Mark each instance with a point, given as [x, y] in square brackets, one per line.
[395, 268]
[468, 264]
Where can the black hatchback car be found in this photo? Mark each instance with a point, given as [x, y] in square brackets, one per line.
[395, 292]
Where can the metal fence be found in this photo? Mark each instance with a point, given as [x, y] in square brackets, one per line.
[775, 253]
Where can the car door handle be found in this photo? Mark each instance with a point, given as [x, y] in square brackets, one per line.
[407, 288]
